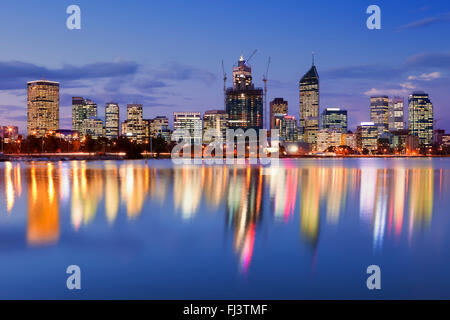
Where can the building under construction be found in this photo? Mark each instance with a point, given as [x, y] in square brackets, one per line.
[244, 102]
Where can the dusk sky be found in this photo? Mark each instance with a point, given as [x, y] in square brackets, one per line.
[167, 54]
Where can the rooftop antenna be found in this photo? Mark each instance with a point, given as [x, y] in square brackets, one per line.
[224, 87]
[313, 53]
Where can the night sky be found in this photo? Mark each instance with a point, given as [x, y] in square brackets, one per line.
[167, 54]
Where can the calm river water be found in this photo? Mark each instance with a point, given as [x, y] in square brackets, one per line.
[306, 229]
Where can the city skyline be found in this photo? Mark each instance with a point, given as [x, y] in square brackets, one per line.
[244, 110]
[380, 107]
[168, 80]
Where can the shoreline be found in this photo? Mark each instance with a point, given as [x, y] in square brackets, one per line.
[53, 157]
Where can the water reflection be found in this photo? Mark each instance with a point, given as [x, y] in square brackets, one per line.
[389, 200]
[43, 206]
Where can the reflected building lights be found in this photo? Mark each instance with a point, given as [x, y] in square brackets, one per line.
[337, 192]
[367, 193]
[111, 192]
[43, 207]
[310, 205]
[134, 187]
[187, 190]
[389, 199]
[380, 211]
[9, 186]
[420, 198]
[244, 205]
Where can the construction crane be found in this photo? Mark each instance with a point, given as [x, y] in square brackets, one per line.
[251, 56]
[224, 87]
[265, 93]
[435, 121]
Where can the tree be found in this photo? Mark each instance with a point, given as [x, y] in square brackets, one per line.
[159, 145]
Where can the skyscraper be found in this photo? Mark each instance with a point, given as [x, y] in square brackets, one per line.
[112, 120]
[159, 127]
[367, 136]
[217, 120]
[329, 138]
[92, 127]
[278, 109]
[244, 102]
[288, 129]
[135, 126]
[309, 105]
[42, 107]
[335, 119]
[379, 113]
[82, 109]
[420, 116]
[190, 121]
[396, 111]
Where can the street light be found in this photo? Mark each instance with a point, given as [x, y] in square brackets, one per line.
[3, 138]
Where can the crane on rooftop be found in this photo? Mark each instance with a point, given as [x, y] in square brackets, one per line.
[224, 87]
[251, 56]
[265, 92]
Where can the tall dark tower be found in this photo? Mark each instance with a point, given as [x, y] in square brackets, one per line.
[244, 102]
[309, 105]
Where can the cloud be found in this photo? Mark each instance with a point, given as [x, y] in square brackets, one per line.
[426, 76]
[15, 74]
[419, 23]
[387, 92]
[408, 86]
[180, 72]
[425, 22]
[373, 72]
[429, 60]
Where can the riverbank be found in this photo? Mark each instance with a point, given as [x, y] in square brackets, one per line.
[122, 156]
[62, 156]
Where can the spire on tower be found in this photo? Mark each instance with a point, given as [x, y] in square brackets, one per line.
[313, 53]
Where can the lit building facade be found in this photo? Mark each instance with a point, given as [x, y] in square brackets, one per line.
[278, 109]
[135, 126]
[217, 120]
[309, 106]
[67, 135]
[112, 120]
[123, 129]
[398, 141]
[328, 138]
[420, 117]
[350, 140]
[159, 127]
[412, 144]
[82, 109]
[367, 135]
[190, 121]
[446, 140]
[92, 127]
[379, 113]
[335, 119]
[42, 107]
[289, 129]
[244, 102]
[396, 114]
